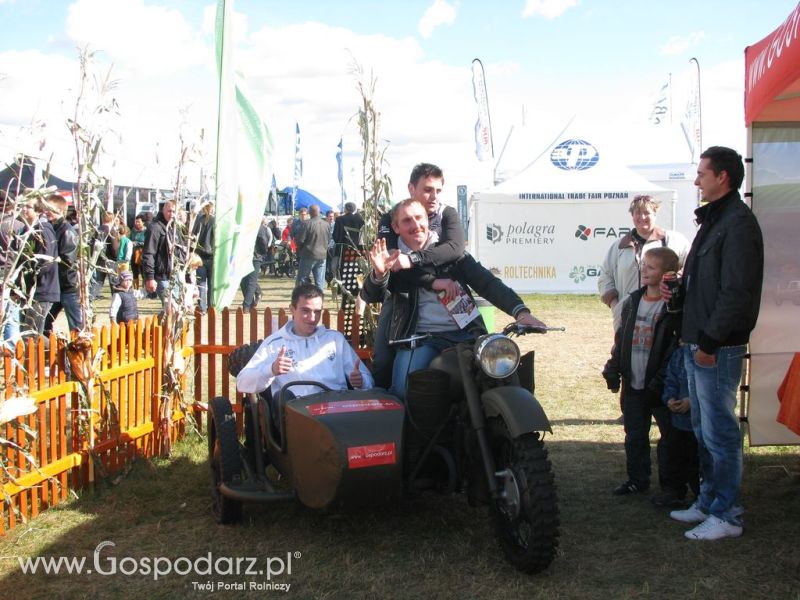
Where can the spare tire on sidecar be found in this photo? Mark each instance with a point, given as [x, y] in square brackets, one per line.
[334, 448]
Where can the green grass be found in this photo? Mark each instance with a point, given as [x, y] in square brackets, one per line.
[438, 547]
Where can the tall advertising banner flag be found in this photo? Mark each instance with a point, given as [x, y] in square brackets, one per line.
[661, 112]
[244, 153]
[692, 124]
[484, 148]
[298, 163]
[339, 153]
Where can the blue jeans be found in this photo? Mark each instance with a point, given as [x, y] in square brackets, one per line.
[408, 360]
[11, 329]
[162, 291]
[712, 394]
[71, 305]
[306, 266]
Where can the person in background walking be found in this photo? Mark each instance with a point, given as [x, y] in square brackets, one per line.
[312, 248]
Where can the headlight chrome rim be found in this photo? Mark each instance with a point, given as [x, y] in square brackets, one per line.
[497, 355]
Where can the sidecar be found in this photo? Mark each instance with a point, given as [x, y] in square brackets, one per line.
[329, 449]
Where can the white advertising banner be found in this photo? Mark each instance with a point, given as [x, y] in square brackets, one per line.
[551, 246]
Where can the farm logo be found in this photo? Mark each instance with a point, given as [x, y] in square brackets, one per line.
[494, 233]
[580, 273]
[584, 232]
[574, 155]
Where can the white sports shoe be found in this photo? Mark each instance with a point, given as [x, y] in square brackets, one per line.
[693, 514]
[714, 528]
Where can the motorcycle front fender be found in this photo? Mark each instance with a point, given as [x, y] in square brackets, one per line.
[519, 409]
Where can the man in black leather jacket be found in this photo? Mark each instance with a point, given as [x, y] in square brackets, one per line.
[419, 308]
[721, 291]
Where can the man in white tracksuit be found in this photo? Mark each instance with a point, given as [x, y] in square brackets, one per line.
[304, 350]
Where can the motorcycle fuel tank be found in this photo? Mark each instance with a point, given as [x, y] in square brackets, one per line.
[345, 448]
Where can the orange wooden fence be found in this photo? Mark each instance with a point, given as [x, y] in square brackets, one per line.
[78, 442]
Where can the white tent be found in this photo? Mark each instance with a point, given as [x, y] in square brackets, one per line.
[549, 228]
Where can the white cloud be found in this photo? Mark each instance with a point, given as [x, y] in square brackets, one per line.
[549, 9]
[145, 37]
[437, 14]
[679, 44]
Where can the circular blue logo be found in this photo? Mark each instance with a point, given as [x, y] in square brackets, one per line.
[574, 155]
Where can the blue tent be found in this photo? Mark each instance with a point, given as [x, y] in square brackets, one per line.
[304, 200]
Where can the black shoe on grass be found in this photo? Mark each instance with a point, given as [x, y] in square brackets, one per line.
[628, 488]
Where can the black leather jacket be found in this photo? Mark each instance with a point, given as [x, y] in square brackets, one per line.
[722, 276]
[405, 294]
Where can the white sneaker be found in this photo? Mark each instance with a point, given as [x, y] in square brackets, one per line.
[714, 528]
[693, 514]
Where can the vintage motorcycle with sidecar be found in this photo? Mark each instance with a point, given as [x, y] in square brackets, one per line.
[470, 423]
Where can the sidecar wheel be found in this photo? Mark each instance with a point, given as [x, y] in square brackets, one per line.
[526, 520]
[224, 459]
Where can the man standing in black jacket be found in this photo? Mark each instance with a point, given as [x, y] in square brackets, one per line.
[41, 281]
[158, 253]
[67, 240]
[721, 291]
[203, 232]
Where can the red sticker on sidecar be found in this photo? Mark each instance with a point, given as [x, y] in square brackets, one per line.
[347, 406]
[371, 456]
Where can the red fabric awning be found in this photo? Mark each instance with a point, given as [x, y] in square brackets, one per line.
[772, 74]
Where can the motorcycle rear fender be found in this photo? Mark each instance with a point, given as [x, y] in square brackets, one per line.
[519, 409]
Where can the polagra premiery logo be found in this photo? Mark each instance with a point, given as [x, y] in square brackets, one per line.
[583, 232]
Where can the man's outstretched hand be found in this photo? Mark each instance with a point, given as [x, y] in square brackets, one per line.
[381, 259]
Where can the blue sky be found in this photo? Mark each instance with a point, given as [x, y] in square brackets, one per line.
[600, 60]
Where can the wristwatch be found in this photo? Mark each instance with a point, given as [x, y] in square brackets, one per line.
[415, 258]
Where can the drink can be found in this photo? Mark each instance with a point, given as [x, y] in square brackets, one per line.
[672, 282]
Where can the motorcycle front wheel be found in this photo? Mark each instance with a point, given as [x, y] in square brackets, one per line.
[526, 516]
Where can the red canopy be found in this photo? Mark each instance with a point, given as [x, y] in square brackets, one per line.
[772, 74]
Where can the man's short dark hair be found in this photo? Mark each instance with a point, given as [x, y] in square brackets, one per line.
[423, 170]
[350, 207]
[329, 213]
[306, 290]
[725, 159]
[313, 210]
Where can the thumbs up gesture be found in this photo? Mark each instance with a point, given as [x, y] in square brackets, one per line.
[356, 378]
[282, 364]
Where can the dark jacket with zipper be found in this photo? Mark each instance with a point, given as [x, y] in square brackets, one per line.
[405, 295]
[665, 341]
[67, 239]
[45, 273]
[160, 243]
[722, 277]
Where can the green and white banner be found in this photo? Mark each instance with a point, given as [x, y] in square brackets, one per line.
[244, 169]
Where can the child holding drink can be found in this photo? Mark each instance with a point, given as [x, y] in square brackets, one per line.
[643, 343]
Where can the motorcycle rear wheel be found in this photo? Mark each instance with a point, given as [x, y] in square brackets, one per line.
[224, 459]
[526, 521]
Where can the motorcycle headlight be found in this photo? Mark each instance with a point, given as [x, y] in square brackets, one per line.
[497, 355]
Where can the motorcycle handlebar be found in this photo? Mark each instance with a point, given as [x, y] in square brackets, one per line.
[517, 329]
